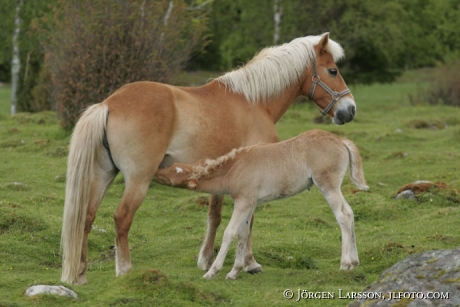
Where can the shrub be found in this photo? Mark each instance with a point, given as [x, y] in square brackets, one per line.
[41, 99]
[446, 85]
[444, 88]
[94, 47]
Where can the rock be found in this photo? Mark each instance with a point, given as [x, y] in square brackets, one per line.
[98, 229]
[55, 290]
[410, 281]
[412, 190]
[406, 194]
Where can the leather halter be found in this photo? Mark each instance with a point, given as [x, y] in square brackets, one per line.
[315, 79]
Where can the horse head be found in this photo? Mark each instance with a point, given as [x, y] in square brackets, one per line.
[325, 86]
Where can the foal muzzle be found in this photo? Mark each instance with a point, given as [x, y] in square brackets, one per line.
[335, 96]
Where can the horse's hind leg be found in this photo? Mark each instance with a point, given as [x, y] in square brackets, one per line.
[206, 255]
[135, 191]
[104, 174]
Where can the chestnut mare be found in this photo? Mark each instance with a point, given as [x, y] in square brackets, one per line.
[144, 126]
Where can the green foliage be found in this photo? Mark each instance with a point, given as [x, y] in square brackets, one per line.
[96, 47]
[381, 38]
[296, 240]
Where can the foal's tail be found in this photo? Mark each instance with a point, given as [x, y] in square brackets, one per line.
[356, 166]
[85, 144]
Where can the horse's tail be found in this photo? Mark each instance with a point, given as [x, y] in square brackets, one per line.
[85, 144]
[356, 166]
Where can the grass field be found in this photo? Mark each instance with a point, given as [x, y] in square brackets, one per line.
[296, 240]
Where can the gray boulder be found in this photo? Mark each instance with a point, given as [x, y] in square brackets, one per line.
[426, 279]
[54, 290]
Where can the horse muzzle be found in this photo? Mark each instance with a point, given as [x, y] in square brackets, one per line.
[345, 111]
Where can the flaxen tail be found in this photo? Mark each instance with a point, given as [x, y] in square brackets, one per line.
[356, 166]
[85, 145]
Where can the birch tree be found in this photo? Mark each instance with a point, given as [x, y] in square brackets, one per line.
[278, 12]
[15, 62]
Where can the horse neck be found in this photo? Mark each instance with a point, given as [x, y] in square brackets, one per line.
[275, 107]
[278, 106]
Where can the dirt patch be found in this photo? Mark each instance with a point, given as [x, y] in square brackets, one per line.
[421, 187]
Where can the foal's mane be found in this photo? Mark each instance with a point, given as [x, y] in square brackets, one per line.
[207, 167]
[273, 69]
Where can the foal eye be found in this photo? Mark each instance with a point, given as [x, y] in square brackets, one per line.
[332, 72]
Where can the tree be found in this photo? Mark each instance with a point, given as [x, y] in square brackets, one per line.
[15, 62]
[95, 47]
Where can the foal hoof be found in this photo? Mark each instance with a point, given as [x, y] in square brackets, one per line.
[349, 266]
[208, 275]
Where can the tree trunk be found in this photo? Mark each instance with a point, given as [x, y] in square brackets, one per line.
[278, 12]
[15, 62]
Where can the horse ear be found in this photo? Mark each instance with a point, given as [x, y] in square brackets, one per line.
[192, 184]
[323, 42]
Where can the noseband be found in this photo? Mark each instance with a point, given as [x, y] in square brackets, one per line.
[315, 79]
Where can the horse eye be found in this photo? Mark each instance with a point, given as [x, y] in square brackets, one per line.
[332, 72]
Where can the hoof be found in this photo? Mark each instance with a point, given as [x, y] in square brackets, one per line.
[230, 276]
[208, 276]
[349, 266]
[204, 264]
[255, 270]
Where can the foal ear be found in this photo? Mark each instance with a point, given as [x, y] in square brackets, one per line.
[192, 184]
[323, 42]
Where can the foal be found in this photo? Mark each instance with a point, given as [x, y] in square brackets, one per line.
[261, 173]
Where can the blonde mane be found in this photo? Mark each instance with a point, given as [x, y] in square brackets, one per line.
[208, 166]
[275, 68]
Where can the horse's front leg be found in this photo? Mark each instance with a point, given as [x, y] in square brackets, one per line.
[206, 256]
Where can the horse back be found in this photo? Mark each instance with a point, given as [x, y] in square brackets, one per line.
[168, 124]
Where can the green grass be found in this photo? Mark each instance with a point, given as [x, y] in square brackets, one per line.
[296, 240]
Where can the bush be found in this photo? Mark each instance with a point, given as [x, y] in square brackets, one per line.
[94, 47]
[446, 86]
[41, 99]
[444, 89]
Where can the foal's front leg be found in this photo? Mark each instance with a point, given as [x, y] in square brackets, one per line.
[252, 266]
[238, 225]
[244, 236]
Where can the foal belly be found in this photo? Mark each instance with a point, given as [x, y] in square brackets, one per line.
[280, 189]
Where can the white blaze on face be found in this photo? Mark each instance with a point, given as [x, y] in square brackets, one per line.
[179, 170]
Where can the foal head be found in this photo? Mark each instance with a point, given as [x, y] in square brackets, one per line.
[177, 175]
[326, 87]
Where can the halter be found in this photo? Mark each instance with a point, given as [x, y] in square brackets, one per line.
[315, 79]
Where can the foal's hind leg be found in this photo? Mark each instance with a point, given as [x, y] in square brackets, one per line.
[206, 255]
[344, 216]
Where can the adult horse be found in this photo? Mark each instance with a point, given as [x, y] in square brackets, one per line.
[144, 126]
